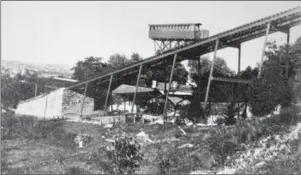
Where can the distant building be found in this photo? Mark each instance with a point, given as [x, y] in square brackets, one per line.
[59, 82]
[176, 89]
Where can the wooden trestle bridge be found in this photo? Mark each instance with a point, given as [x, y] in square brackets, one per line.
[280, 22]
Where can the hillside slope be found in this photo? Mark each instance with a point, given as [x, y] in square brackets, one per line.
[274, 154]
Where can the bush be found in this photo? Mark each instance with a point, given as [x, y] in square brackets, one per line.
[4, 164]
[180, 121]
[171, 160]
[194, 112]
[288, 115]
[263, 97]
[155, 107]
[76, 170]
[287, 94]
[229, 114]
[8, 122]
[126, 157]
[220, 121]
[163, 163]
[271, 89]
[221, 146]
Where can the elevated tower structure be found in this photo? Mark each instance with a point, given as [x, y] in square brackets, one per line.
[170, 36]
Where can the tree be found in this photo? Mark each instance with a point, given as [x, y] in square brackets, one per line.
[220, 70]
[20, 87]
[276, 85]
[162, 74]
[248, 73]
[135, 57]
[6, 81]
[91, 66]
[220, 66]
[117, 60]
[159, 74]
[242, 89]
[200, 75]
[265, 93]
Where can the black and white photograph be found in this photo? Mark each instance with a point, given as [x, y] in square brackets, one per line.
[150, 87]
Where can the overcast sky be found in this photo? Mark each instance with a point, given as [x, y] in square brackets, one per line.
[65, 32]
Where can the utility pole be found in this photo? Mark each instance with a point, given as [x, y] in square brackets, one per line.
[35, 89]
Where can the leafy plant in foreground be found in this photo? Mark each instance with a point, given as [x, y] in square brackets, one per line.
[126, 156]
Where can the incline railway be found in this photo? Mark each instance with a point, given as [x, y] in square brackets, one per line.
[280, 22]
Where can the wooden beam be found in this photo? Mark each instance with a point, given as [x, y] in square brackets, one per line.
[231, 80]
[108, 93]
[279, 29]
[239, 58]
[170, 81]
[199, 79]
[45, 109]
[211, 72]
[287, 51]
[236, 46]
[137, 83]
[238, 71]
[263, 49]
[155, 47]
[84, 97]
[35, 89]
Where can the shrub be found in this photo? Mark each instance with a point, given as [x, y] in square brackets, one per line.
[288, 115]
[8, 122]
[180, 121]
[263, 98]
[76, 170]
[170, 159]
[194, 112]
[4, 165]
[287, 94]
[229, 114]
[220, 121]
[163, 163]
[271, 89]
[126, 157]
[155, 107]
[221, 146]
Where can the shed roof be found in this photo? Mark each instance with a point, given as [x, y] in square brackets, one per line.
[128, 89]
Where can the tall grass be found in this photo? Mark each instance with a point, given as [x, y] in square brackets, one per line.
[4, 165]
[28, 127]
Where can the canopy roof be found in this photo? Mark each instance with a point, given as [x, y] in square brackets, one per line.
[128, 89]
